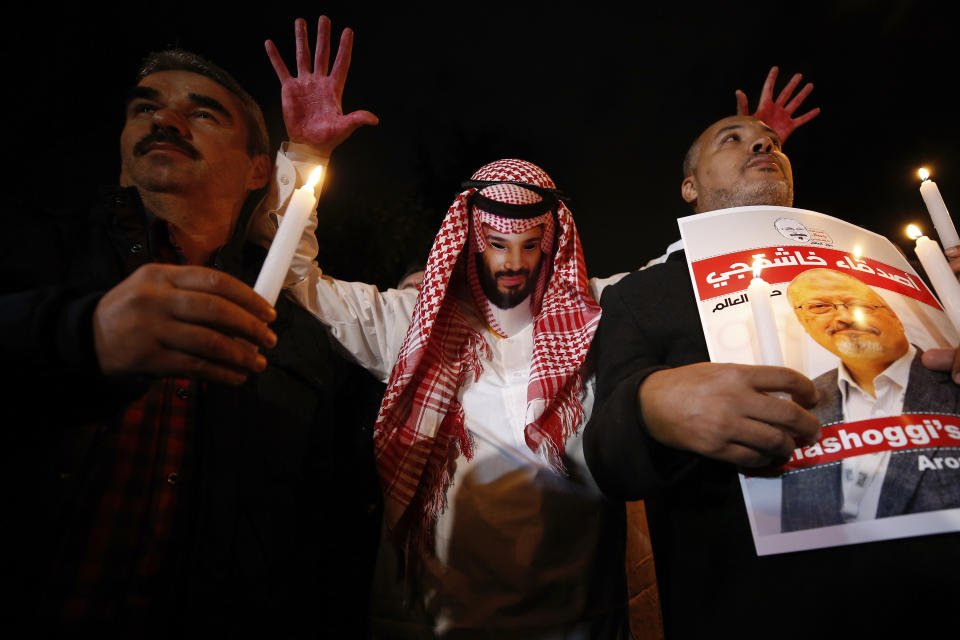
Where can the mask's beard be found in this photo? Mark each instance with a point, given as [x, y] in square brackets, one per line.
[505, 297]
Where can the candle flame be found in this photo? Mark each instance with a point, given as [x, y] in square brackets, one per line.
[857, 252]
[914, 231]
[923, 173]
[314, 177]
[757, 268]
[858, 317]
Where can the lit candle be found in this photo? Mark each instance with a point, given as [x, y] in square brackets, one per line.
[938, 270]
[763, 322]
[938, 210]
[295, 218]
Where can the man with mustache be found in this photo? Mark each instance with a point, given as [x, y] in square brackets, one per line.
[880, 374]
[173, 444]
[672, 428]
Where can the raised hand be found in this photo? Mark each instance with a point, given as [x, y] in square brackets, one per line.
[723, 411]
[312, 108]
[778, 113]
[189, 322]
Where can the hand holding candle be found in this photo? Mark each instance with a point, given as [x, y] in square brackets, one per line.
[284, 245]
[763, 321]
[938, 210]
[941, 276]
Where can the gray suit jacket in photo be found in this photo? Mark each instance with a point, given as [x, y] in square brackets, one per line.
[813, 497]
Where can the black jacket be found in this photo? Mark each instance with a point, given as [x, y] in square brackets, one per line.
[279, 512]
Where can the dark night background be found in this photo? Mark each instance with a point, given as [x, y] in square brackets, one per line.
[606, 103]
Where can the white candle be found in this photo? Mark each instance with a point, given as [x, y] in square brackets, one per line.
[295, 218]
[938, 210]
[763, 321]
[941, 275]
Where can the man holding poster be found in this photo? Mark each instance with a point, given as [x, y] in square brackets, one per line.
[880, 375]
[674, 429]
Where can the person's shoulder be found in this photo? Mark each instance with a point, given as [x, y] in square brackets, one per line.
[645, 282]
[64, 234]
[827, 377]
[27, 213]
[826, 384]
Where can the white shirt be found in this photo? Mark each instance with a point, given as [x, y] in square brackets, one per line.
[676, 245]
[518, 547]
[862, 476]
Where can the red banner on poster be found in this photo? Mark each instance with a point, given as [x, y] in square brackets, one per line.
[732, 272]
[908, 431]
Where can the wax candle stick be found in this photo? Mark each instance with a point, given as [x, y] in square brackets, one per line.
[295, 218]
[941, 276]
[938, 210]
[763, 321]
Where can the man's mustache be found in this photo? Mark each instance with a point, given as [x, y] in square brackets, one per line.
[167, 136]
[858, 326]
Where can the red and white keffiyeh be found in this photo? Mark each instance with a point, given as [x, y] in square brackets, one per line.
[420, 427]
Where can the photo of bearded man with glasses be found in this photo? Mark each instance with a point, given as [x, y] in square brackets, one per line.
[880, 374]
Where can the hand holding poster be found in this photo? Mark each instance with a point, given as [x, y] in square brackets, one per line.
[854, 317]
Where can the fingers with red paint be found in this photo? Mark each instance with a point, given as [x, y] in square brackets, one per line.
[778, 114]
[312, 100]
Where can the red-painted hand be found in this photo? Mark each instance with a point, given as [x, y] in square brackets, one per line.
[312, 108]
[778, 113]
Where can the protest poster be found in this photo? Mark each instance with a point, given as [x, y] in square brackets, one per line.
[850, 313]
